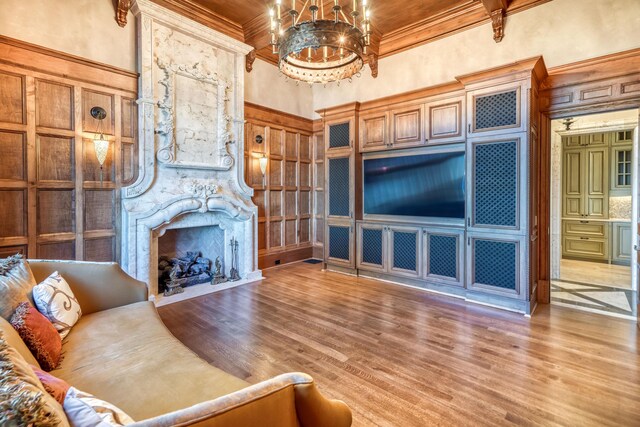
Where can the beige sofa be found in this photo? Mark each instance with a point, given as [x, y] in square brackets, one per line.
[121, 352]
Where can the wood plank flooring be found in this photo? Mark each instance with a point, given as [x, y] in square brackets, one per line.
[404, 357]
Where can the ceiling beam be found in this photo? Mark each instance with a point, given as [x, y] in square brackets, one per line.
[496, 9]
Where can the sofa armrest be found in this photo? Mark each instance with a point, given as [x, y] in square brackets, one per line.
[288, 400]
[97, 285]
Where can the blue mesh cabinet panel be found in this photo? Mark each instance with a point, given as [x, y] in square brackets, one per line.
[404, 251]
[339, 199]
[339, 242]
[372, 246]
[496, 184]
[339, 135]
[443, 255]
[495, 263]
[493, 111]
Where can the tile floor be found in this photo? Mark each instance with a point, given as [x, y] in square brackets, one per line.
[596, 287]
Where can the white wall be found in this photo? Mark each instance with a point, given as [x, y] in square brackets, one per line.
[85, 28]
[266, 86]
[562, 31]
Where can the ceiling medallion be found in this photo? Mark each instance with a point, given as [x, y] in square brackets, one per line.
[319, 50]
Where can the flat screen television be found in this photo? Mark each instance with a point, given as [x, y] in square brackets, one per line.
[424, 185]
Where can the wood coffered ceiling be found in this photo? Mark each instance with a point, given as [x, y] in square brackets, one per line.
[397, 24]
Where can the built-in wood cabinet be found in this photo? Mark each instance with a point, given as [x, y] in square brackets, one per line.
[339, 247]
[404, 251]
[586, 183]
[374, 130]
[585, 239]
[443, 255]
[621, 243]
[445, 120]
[497, 109]
[407, 126]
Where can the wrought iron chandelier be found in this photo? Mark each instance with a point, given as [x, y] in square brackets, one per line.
[313, 49]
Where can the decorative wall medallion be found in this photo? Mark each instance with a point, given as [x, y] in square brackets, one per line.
[194, 126]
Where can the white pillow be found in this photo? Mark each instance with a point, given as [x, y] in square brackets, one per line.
[85, 410]
[55, 300]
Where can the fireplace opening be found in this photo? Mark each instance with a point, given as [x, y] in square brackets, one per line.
[190, 256]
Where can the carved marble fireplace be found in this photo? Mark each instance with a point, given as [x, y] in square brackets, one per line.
[191, 124]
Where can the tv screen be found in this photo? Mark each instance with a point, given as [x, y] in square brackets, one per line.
[426, 185]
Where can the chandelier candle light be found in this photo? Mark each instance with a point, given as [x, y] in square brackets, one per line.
[319, 50]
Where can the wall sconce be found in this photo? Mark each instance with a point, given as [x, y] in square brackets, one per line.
[262, 160]
[100, 144]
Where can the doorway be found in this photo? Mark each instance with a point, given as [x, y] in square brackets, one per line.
[594, 164]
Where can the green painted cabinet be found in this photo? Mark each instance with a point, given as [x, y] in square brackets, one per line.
[586, 183]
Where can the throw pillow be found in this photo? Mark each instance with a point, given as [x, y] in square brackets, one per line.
[56, 387]
[83, 409]
[16, 283]
[54, 298]
[39, 335]
[23, 400]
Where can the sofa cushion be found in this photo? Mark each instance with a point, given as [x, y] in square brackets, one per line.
[56, 387]
[38, 334]
[12, 338]
[84, 410]
[55, 299]
[23, 399]
[16, 283]
[127, 357]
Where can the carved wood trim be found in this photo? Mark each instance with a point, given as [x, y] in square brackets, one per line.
[249, 60]
[466, 16]
[604, 83]
[373, 64]
[122, 9]
[266, 115]
[497, 23]
[53, 62]
[204, 16]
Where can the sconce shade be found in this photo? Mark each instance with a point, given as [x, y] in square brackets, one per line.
[101, 146]
[263, 164]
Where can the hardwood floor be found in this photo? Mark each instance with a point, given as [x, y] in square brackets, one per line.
[403, 357]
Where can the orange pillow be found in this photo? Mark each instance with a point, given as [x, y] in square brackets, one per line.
[39, 334]
[56, 387]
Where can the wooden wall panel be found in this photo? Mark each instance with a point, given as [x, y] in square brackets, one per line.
[287, 184]
[54, 105]
[56, 211]
[99, 210]
[56, 158]
[52, 202]
[57, 250]
[100, 249]
[13, 208]
[7, 251]
[12, 94]
[13, 155]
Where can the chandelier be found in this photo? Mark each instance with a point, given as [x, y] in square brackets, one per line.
[313, 49]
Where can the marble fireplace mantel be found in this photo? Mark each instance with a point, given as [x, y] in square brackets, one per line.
[191, 137]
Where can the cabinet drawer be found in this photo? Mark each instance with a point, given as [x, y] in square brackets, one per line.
[586, 229]
[585, 247]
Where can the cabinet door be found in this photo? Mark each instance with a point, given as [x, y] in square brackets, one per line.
[374, 131]
[585, 247]
[339, 245]
[444, 121]
[406, 126]
[371, 247]
[444, 256]
[340, 135]
[600, 138]
[497, 109]
[597, 185]
[620, 171]
[497, 264]
[404, 251]
[497, 183]
[622, 243]
[572, 184]
[339, 186]
[574, 141]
